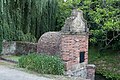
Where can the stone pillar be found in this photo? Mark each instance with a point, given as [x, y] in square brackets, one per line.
[74, 40]
[91, 71]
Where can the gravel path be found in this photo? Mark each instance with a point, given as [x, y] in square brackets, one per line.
[7, 73]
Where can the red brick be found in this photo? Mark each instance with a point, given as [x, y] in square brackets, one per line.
[68, 65]
[73, 45]
[65, 57]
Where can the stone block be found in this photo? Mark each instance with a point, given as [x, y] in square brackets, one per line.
[91, 71]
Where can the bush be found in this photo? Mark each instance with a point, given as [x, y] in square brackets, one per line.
[44, 64]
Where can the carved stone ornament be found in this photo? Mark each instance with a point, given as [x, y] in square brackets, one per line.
[75, 23]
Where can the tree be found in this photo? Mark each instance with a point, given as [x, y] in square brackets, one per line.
[26, 20]
[103, 20]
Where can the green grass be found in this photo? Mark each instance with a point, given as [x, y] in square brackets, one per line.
[10, 57]
[107, 63]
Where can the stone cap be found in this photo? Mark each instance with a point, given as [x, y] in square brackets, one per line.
[90, 66]
[75, 24]
[74, 33]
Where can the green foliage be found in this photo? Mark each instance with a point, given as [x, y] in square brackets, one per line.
[9, 34]
[104, 22]
[107, 63]
[30, 16]
[26, 20]
[102, 17]
[42, 64]
[64, 11]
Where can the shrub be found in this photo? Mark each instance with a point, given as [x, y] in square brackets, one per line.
[44, 64]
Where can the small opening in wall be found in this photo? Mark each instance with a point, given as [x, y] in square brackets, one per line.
[82, 57]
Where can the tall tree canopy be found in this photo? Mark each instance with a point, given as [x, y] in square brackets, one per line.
[103, 17]
[26, 20]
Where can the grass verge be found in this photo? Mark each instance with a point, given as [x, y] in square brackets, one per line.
[107, 63]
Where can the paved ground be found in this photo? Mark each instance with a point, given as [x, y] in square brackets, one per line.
[7, 73]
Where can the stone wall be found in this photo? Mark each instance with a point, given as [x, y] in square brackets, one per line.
[18, 47]
[8, 47]
[49, 43]
[86, 71]
[90, 71]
